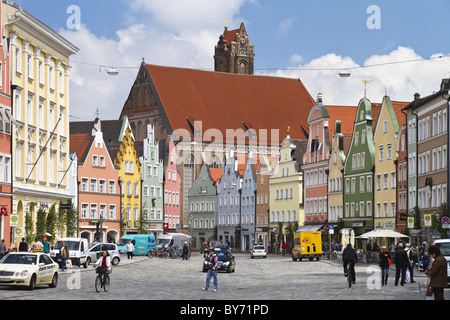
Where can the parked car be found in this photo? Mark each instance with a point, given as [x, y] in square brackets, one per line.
[28, 269]
[96, 252]
[226, 261]
[258, 251]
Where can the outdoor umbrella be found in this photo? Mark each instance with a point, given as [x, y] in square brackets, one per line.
[383, 234]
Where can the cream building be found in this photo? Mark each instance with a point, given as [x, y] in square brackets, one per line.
[385, 188]
[40, 103]
[286, 189]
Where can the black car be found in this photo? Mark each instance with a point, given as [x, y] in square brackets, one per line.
[226, 261]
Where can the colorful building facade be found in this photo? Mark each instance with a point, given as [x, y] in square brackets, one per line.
[286, 190]
[40, 143]
[358, 173]
[172, 185]
[152, 197]
[98, 191]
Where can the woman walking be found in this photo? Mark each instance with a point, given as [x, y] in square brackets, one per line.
[385, 257]
[437, 272]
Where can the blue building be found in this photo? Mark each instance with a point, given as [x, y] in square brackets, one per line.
[248, 204]
[229, 204]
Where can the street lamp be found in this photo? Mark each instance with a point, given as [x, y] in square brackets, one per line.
[112, 71]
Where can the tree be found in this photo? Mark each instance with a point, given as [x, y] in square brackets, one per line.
[71, 221]
[51, 222]
[29, 227]
[41, 223]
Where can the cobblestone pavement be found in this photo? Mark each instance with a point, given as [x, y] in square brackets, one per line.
[274, 278]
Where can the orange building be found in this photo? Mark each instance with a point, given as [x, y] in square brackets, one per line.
[98, 183]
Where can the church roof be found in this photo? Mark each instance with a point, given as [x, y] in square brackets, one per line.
[225, 101]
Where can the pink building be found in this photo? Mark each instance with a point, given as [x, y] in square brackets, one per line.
[316, 158]
[172, 185]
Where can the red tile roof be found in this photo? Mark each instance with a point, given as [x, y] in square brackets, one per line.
[347, 116]
[79, 144]
[223, 101]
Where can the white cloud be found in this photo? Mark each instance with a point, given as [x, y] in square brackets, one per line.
[177, 33]
[400, 81]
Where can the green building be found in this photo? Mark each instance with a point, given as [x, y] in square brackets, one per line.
[359, 172]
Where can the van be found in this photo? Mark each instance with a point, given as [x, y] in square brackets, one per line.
[78, 250]
[444, 247]
[173, 240]
[307, 244]
[142, 243]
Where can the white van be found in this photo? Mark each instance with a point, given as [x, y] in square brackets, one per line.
[173, 240]
[78, 250]
[444, 246]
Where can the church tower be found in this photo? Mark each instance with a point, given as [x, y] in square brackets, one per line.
[234, 53]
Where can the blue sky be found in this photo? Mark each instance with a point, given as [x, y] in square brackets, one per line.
[288, 34]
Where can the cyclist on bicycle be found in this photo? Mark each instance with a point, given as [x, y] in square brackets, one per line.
[349, 256]
[103, 265]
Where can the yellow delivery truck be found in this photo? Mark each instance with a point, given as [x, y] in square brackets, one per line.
[307, 244]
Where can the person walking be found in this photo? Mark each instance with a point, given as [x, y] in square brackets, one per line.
[2, 249]
[46, 245]
[410, 254]
[64, 255]
[437, 272]
[185, 254]
[385, 259]
[130, 249]
[401, 264]
[212, 271]
[23, 246]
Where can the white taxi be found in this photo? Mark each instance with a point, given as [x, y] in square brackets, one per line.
[28, 269]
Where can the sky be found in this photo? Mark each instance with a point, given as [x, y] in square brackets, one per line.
[401, 47]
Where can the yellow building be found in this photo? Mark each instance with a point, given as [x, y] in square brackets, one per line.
[335, 179]
[40, 104]
[286, 189]
[127, 161]
[385, 139]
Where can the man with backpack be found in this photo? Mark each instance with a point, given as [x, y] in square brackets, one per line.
[212, 271]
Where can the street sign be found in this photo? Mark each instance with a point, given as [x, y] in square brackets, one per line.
[410, 222]
[428, 220]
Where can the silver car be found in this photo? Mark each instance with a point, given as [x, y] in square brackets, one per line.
[95, 252]
[258, 251]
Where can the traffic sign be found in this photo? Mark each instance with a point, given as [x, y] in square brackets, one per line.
[445, 220]
[331, 227]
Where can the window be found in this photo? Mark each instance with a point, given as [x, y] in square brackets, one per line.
[112, 212]
[93, 211]
[112, 186]
[381, 153]
[102, 186]
[93, 187]
[84, 185]
[84, 211]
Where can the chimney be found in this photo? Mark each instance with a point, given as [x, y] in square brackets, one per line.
[416, 96]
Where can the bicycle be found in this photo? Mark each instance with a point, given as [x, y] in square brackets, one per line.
[98, 281]
[349, 269]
